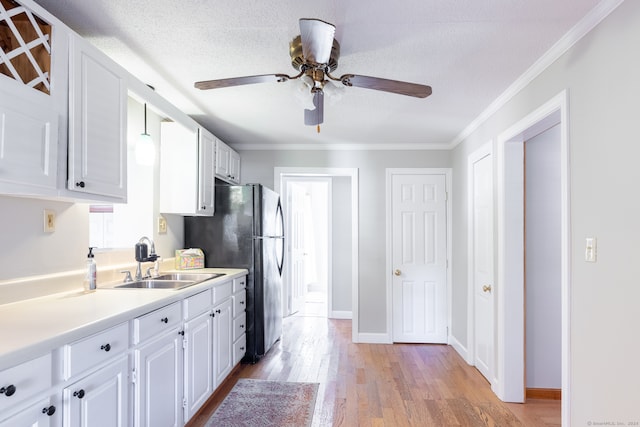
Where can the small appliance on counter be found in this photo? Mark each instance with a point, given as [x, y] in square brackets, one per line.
[246, 231]
[187, 259]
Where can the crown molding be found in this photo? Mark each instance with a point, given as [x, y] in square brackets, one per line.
[343, 147]
[582, 28]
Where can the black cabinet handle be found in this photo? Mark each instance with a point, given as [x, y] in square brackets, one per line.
[165, 320]
[218, 311]
[242, 326]
[79, 394]
[242, 348]
[241, 302]
[106, 347]
[49, 411]
[8, 390]
[80, 184]
[181, 333]
[204, 207]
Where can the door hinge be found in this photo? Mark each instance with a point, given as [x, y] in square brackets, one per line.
[134, 377]
[184, 402]
[184, 342]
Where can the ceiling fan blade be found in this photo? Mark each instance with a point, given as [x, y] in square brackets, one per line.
[317, 40]
[316, 116]
[239, 81]
[386, 85]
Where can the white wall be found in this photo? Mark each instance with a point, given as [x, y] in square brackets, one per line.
[601, 74]
[258, 167]
[542, 259]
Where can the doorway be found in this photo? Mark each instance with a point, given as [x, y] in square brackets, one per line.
[510, 289]
[342, 258]
[309, 230]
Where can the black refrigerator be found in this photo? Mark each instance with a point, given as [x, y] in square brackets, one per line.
[247, 231]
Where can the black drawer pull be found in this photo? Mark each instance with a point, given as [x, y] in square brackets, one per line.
[49, 411]
[80, 184]
[8, 391]
[79, 394]
[106, 347]
[165, 320]
[242, 348]
[242, 302]
[242, 326]
[218, 311]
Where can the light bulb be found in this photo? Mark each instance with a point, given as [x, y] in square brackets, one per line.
[145, 150]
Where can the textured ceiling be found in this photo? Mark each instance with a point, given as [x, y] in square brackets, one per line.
[469, 51]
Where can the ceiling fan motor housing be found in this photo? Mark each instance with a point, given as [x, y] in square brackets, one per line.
[298, 59]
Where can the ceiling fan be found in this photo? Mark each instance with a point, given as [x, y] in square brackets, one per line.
[314, 53]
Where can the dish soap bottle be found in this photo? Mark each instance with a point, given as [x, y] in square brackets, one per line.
[90, 278]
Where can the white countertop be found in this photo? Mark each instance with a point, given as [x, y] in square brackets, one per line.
[36, 326]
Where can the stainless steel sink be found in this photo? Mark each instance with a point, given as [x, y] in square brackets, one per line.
[197, 277]
[170, 281]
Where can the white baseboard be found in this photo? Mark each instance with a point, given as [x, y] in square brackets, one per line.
[461, 349]
[371, 338]
[341, 315]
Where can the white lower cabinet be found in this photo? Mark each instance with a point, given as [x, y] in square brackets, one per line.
[198, 354]
[158, 368]
[155, 370]
[99, 399]
[41, 414]
[222, 341]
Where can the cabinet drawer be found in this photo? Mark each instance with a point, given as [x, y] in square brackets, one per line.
[23, 381]
[239, 349]
[239, 303]
[239, 326]
[91, 351]
[197, 304]
[239, 283]
[222, 292]
[162, 319]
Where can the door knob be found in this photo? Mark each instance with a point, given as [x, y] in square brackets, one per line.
[397, 272]
[486, 288]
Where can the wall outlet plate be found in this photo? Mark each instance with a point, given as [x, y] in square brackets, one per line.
[49, 221]
[162, 225]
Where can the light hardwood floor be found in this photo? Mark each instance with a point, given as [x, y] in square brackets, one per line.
[382, 385]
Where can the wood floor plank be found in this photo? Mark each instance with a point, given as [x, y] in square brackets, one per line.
[382, 385]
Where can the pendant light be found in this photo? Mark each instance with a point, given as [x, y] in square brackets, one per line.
[145, 148]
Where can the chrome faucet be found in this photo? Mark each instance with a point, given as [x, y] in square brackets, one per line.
[143, 255]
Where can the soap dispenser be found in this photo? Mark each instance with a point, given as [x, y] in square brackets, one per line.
[90, 278]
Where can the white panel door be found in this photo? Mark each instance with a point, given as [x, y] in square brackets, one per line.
[298, 252]
[482, 261]
[419, 258]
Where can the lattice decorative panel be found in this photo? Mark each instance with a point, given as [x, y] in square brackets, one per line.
[25, 46]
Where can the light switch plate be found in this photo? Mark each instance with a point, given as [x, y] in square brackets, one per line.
[49, 221]
[591, 249]
[162, 225]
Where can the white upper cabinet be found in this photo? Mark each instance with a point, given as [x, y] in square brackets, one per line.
[33, 93]
[186, 170]
[97, 123]
[227, 163]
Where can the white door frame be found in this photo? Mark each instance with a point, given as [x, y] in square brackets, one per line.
[485, 150]
[510, 356]
[389, 227]
[280, 172]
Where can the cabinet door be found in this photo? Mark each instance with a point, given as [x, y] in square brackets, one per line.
[159, 383]
[198, 361]
[100, 399]
[41, 414]
[223, 153]
[222, 341]
[234, 167]
[206, 160]
[97, 123]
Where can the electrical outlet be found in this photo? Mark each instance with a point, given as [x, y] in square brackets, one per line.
[162, 225]
[49, 221]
